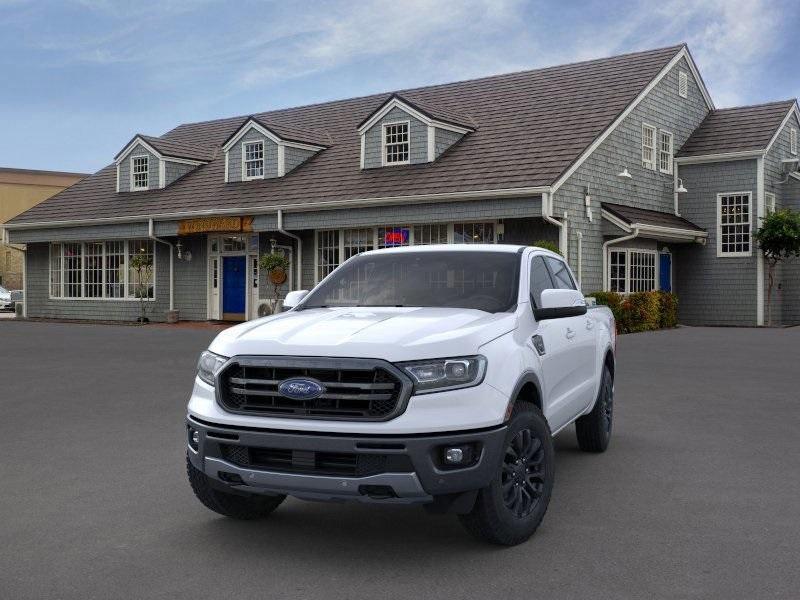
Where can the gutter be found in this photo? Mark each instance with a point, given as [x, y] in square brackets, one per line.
[281, 230]
[618, 240]
[547, 211]
[152, 236]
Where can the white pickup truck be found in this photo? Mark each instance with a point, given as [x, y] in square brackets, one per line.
[434, 375]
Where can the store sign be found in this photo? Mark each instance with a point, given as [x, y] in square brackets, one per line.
[396, 237]
[215, 224]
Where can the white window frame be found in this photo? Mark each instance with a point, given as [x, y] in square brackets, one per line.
[665, 156]
[720, 253]
[133, 159]
[793, 141]
[411, 237]
[627, 276]
[683, 84]
[104, 298]
[245, 177]
[384, 148]
[650, 164]
[769, 202]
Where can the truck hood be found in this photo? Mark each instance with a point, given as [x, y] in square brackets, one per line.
[393, 334]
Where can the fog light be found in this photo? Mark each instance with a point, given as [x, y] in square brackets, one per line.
[453, 456]
[194, 439]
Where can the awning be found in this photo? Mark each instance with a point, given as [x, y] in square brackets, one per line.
[653, 224]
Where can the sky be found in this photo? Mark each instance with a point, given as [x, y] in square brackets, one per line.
[80, 78]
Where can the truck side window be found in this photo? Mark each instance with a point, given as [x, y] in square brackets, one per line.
[561, 275]
[540, 280]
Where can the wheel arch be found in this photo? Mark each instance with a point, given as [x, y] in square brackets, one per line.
[527, 389]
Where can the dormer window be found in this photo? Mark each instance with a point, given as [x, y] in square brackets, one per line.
[253, 153]
[140, 170]
[396, 148]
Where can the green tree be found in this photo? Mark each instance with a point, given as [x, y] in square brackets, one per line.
[548, 245]
[142, 265]
[276, 266]
[779, 239]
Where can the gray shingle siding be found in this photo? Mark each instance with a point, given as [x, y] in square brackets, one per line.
[175, 170]
[715, 290]
[191, 279]
[443, 139]
[270, 156]
[125, 169]
[648, 189]
[786, 287]
[93, 232]
[294, 157]
[418, 139]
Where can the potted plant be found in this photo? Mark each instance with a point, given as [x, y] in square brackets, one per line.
[276, 266]
[142, 265]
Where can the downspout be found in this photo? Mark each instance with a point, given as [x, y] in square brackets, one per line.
[618, 240]
[547, 211]
[281, 230]
[675, 188]
[152, 236]
[580, 258]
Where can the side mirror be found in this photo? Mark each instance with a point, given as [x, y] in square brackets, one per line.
[292, 299]
[556, 304]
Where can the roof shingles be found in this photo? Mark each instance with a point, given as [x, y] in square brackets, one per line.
[530, 127]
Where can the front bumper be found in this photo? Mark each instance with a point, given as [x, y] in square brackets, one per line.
[412, 473]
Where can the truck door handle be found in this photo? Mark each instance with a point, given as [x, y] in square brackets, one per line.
[589, 324]
[570, 333]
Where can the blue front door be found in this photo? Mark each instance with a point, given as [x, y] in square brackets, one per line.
[233, 287]
[665, 272]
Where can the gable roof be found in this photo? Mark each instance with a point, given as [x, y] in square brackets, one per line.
[651, 218]
[738, 129]
[170, 148]
[282, 131]
[431, 112]
[530, 127]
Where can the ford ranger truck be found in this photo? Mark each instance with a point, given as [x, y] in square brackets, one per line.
[433, 375]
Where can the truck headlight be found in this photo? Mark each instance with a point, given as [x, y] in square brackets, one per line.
[209, 365]
[440, 374]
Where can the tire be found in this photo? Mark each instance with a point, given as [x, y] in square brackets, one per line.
[236, 506]
[502, 514]
[594, 429]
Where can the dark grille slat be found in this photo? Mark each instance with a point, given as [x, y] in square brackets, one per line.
[367, 390]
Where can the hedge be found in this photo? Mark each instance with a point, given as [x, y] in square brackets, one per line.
[641, 311]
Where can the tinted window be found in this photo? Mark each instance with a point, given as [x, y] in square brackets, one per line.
[485, 281]
[540, 280]
[561, 276]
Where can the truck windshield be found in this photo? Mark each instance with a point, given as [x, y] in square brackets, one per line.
[484, 281]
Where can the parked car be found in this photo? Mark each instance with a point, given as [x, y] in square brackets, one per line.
[5, 299]
[433, 375]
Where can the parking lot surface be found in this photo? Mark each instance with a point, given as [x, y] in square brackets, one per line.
[697, 496]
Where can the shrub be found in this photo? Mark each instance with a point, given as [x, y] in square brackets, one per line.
[668, 309]
[641, 312]
[547, 245]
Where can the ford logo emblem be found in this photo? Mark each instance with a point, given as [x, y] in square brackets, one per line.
[300, 389]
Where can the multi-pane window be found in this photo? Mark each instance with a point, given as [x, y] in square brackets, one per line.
[140, 167]
[683, 84]
[234, 243]
[115, 269]
[793, 140]
[632, 271]
[425, 235]
[473, 233]
[93, 270]
[733, 229]
[97, 270]
[392, 237]
[327, 252]
[769, 199]
[253, 160]
[665, 152]
[357, 241]
[396, 143]
[648, 146]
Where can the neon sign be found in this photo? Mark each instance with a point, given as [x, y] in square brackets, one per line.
[396, 237]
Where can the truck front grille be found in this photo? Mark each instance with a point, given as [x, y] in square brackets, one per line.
[354, 389]
[344, 464]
